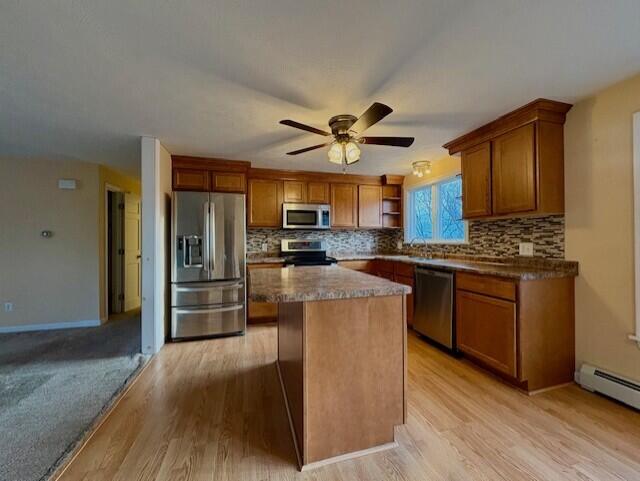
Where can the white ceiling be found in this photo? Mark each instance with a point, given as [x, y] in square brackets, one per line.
[84, 79]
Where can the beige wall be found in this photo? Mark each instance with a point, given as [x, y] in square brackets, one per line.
[126, 184]
[48, 280]
[599, 225]
[440, 169]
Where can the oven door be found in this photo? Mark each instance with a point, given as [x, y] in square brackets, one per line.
[301, 216]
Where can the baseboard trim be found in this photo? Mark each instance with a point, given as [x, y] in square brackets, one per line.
[345, 457]
[50, 326]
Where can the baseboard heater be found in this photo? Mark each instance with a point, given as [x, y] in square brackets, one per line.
[598, 380]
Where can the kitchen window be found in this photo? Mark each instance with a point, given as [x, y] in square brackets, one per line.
[434, 213]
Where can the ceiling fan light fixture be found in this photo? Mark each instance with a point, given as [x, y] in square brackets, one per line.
[336, 153]
[421, 168]
[352, 152]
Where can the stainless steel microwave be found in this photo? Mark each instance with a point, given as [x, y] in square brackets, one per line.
[306, 216]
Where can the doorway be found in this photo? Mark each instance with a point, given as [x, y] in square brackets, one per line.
[123, 248]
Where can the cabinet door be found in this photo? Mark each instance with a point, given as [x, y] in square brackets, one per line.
[476, 181]
[318, 193]
[486, 329]
[408, 281]
[344, 205]
[295, 191]
[190, 179]
[265, 203]
[514, 171]
[260, 311]
[369, 206]
[228, 182]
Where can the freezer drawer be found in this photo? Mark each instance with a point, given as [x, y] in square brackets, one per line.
[207, 321]
[206, 293]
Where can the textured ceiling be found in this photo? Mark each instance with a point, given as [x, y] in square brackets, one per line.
[84, 79]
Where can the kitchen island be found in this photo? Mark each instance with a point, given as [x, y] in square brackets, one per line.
[341, 358]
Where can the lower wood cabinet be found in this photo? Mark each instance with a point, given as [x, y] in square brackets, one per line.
[402, 273]
[523, 330]
[362, 266]
[259, 312]
[487, 330]
[408, 281]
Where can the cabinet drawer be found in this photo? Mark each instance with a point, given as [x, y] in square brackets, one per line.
[491, 286]
[486, 330]
[404, 269]
[363, 266]
[384, 266]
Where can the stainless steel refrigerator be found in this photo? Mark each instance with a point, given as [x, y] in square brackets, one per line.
[208, 272]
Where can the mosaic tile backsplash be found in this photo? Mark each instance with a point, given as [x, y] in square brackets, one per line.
[494, 238]
[365, 241]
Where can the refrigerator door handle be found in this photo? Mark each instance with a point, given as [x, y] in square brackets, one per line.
[236, 285]
[235, 307]
[212, 236]
[205, 253]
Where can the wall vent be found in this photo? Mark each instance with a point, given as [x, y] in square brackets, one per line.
[598, 380]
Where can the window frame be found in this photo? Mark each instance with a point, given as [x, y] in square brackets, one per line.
[435, 203]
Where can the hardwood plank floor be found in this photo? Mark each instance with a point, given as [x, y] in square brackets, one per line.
[212, 410]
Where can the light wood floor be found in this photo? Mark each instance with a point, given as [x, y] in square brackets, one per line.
[212, 410]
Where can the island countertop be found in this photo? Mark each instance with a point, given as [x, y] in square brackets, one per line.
[318, 283]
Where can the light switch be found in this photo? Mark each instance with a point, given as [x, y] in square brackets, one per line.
[265, 247]
[526, 248]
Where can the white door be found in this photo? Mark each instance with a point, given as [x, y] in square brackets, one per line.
[132, 252]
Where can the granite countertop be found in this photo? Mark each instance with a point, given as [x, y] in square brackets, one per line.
[516, 268]
[318, 283]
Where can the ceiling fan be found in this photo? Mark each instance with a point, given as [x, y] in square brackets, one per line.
[346, 131]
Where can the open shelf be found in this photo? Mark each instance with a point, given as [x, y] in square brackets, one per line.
[391, 198]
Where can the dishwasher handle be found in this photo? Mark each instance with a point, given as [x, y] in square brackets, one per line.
[433, 272]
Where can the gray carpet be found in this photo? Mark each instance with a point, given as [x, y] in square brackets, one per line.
[53, 385]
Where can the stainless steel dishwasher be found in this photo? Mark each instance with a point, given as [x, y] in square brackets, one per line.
[433, 316]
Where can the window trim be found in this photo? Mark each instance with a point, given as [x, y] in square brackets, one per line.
[408, 213]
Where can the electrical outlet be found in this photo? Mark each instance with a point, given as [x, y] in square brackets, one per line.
[265, 247]
[399, 245]
[526, 248]
[8, 306]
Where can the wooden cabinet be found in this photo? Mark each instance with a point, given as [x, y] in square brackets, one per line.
[318, 193]
[370, 206]
[402, 273]
[190, 179]
[486, 329]
[259, 312]
[344, 205]
[516, 161]
[476, 181]
[228, 182]
[362, 266]
[265, 203]
[521, 329]
[408, 281]
[514, 171]
[295, 191]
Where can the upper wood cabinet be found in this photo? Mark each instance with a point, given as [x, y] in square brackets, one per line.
[190, 179]
[318, 193]
[370, 206]
[524, 150]
[476, 181]
[513, 171]
[265, 203]
[344, 205]
[228, 182]
[295, 191]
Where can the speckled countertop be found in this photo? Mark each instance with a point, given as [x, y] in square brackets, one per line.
[318, 283]
[520, 268]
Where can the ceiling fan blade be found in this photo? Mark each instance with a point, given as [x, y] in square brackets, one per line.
[307, 149]
[373, 115]
[308, 128]
[392, 141]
